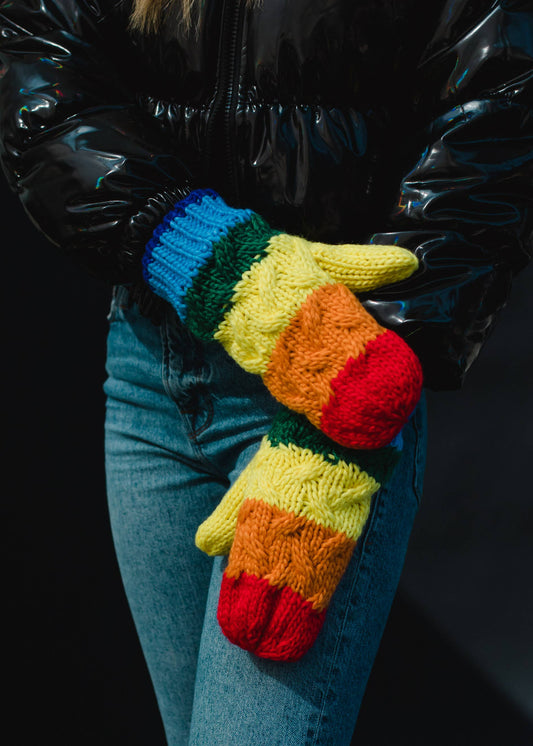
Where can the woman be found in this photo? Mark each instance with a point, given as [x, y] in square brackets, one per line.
[370, 123]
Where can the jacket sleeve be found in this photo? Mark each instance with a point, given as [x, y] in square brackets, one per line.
[465, 204]
[94, 172]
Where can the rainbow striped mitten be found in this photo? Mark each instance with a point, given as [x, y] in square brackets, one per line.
[283, 308]
[291, 520]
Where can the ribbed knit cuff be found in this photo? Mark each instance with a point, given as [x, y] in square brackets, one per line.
[183, 243]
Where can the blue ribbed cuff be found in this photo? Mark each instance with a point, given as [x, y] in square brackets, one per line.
[183, 243]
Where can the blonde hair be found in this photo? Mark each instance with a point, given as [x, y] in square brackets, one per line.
[146, 15]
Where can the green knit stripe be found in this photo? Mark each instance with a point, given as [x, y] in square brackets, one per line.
[209, 297]
[289, 427]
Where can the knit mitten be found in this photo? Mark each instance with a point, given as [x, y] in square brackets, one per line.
[291, 520]
[283, 308]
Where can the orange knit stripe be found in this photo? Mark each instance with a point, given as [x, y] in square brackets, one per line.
[330, 327]
[289, 550]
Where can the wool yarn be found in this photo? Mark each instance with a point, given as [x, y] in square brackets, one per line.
[290, 524]
[284, 308]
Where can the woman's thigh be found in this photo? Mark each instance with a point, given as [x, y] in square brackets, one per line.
[241, 699]
[181, 423]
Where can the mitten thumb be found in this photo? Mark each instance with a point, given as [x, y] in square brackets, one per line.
[363, 268]
[215, 535]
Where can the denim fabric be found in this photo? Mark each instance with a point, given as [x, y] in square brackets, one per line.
[182, 422]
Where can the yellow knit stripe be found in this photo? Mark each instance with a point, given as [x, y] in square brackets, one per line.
[297, 480]
[363, 268]
[266, 299]
[294, 479]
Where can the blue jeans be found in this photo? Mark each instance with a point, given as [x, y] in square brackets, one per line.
[182, 422]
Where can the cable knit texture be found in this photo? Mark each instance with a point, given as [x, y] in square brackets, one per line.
[292, 520]
[285, 308]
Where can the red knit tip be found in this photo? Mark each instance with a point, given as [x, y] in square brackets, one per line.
[374, 394]
[271, 622]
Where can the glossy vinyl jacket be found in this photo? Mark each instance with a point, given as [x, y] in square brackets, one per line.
[391, 121]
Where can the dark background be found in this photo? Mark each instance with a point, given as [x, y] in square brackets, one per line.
[456, 663]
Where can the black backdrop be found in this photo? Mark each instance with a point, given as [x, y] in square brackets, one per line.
[73, 668]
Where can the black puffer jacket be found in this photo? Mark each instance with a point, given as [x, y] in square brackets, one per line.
[406, 121]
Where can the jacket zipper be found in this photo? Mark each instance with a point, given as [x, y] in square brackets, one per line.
[225, 103]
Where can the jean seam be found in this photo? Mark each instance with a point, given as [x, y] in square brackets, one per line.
[165, 376]
[196, 432]
[341, 635]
